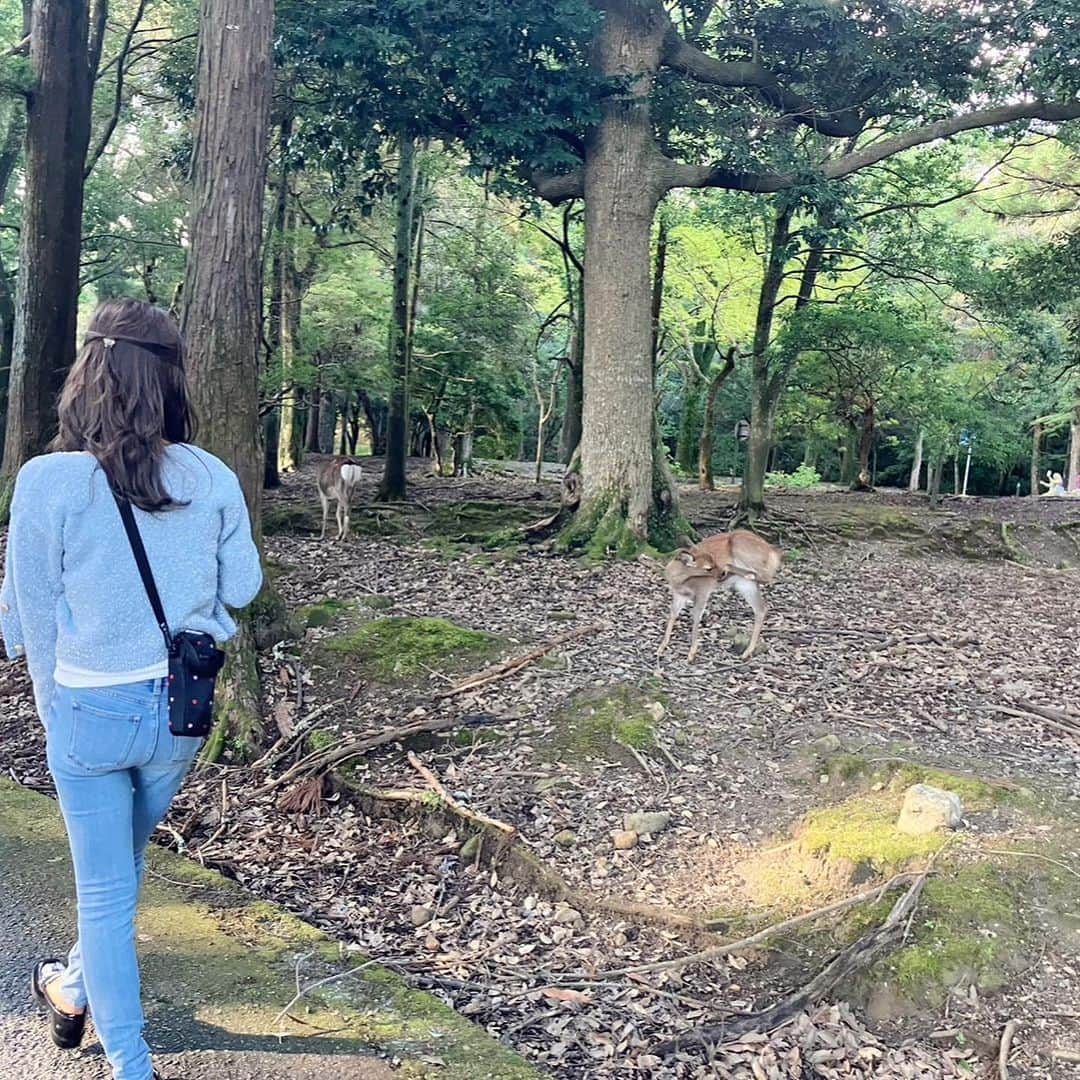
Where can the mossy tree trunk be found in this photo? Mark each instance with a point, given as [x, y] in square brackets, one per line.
[223, 289]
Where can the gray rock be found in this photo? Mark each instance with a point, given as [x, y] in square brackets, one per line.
[643, 823]
[827, 745]
[420, 915]
[567, 916]
[927, 809]
[566, 838]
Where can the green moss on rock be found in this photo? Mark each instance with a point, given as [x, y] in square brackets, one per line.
[603, 723]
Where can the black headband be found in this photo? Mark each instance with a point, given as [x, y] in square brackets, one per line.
[168, 353]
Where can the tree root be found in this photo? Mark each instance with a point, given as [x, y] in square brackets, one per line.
[514, 664]
[501, 847]
[856, 957]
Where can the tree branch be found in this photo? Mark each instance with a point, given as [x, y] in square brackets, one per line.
[679, 55]
[557, 189]
[703, 176]
[118, 96]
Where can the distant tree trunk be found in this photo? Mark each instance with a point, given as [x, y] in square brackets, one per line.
[1036, 450]
[656, 305]
[223, 290]
[50, 240]
[271, 431]
[937, 467]
[290, 447]
[570, 436]
[867, 429]
[762, 399]
[327, 421]
[375, 413]
[314, 418]
[916, 464]
[397, 443]
[708, 424]
[956, 474]
[1074, 452]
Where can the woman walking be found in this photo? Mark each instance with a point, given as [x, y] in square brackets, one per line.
[75, 605]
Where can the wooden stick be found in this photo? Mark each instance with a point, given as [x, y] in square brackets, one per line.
[729, 947]
[452, 803]
[509, 667]
[1033, 855]
[1006, 1045]
[855, 957]
[285, 743]
[1072, 732]
[323, 760]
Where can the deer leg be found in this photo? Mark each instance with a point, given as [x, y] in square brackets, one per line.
[678, 603]
[751, 593]
[325, 513]
[701, 600]
[347, 508]
[341, 519]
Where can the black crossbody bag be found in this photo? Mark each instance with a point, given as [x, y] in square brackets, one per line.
[194, 659]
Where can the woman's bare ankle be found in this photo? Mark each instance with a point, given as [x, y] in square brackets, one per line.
[59, 1002]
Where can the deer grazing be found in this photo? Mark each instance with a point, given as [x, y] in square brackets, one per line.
[337, 482]
[739, 561]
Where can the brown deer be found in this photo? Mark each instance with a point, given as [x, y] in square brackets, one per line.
[337, 482]
[739, 561]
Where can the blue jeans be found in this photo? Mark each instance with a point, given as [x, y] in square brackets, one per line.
[117, 768]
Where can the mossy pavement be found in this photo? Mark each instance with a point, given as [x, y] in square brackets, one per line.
[218, 968]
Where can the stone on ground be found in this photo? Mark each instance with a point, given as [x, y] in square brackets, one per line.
[927, 809]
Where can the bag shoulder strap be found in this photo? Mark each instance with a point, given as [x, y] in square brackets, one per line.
[143, 563]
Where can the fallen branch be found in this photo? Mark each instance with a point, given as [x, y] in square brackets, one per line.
[507, 852]
[726, 948]
[1071, 731]
[452, 803]
[856, 957]
[287, 742]
[1034, 855]
[509, 667]
[329, 758]
[1006, 1045]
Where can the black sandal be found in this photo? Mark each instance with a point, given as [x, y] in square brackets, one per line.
[66, 1030]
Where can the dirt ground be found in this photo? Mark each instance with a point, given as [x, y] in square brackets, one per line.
[895, 635]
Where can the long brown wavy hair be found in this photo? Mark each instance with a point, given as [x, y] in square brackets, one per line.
[126, 398]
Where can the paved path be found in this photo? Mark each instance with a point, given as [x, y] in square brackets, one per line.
[217, 969]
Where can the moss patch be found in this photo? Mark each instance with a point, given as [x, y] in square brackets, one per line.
[863, 831]
[487, 524]
[395, 648]
[323, 612]
[969, 930]
[601, 724]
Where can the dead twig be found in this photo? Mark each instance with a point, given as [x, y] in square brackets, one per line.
[1006, 1045]
[856, 957]
[727, 948]
[282, 746]
[515, 664]
[453, 804]
[1034, 855]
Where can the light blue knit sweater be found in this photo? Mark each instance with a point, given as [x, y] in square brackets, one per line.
[72, 592]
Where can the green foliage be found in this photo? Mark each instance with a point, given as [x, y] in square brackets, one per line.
[803, 477]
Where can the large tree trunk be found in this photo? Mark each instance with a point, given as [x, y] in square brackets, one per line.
[916, 464]
[47, 293]
[392, 486]
[1036, 449]
[9, 158]
[223, 289]
[627, 496]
